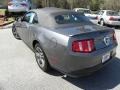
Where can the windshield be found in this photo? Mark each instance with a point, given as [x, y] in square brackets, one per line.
[71, 18]
[112, 13]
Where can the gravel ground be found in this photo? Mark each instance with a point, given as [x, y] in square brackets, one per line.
[19, 70]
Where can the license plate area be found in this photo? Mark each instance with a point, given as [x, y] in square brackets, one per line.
[105, 57]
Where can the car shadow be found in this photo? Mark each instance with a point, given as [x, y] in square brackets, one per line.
[114, 27]
[54, 72]
[106, 78]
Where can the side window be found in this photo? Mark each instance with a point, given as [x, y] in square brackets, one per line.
[30, 17]
[26, 18]
[35, 19]
[101, 12]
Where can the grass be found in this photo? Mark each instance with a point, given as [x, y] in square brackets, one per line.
[2, 12]
[10, 19]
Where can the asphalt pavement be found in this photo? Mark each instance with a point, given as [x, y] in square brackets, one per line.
[19, 70]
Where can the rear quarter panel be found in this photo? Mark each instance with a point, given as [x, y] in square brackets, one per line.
[53, 43]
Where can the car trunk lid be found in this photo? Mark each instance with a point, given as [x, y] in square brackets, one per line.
[17, 3]
[103, 36]
[114, 18]
[102, 39]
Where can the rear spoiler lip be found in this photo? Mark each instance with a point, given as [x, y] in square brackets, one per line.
[112, 30]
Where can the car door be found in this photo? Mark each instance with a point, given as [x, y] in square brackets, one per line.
[27, 25]
[32, 28]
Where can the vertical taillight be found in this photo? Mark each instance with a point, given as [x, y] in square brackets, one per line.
[83, 46]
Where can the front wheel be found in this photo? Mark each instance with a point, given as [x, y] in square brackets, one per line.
[15, 34]
[41, 58]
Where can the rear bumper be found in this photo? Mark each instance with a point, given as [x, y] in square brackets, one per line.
[113, 23]
[88, 71]
[83, 65]
[18, 9]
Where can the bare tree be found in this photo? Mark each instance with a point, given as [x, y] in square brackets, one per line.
[112, 4]
[92, 4]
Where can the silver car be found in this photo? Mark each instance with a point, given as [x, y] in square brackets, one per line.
[19, 5]
[87, 12]
[66, 41]
[109, 17]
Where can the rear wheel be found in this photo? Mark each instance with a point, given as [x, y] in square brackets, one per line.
[15, 34]
[41, 58]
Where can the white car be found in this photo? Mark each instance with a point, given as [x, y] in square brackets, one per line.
[86, 12]
[19, 5]
[119, 12]
[108, 17]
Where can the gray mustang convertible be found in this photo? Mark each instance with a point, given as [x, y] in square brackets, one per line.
[66, 41]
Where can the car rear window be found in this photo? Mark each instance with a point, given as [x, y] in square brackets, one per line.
[112, 13]
[71, 18]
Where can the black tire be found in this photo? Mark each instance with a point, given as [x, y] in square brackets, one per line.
[98, 22]
[41, 58]
[102, 23]
[15, 34]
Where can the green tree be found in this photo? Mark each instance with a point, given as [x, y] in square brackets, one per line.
[3, 2]
[95, 4]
